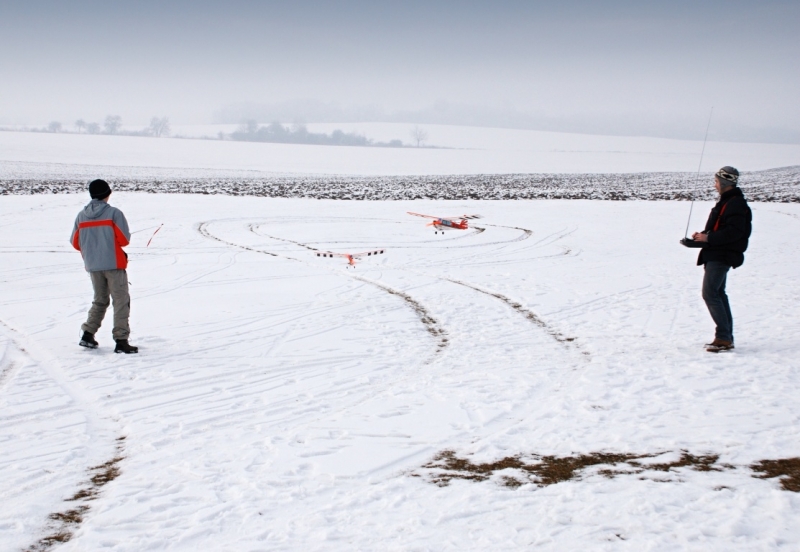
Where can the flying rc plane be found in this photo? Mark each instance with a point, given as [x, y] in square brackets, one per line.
[351, 257]
[440, 224]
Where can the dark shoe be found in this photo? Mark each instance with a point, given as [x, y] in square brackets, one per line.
[720, 343]
[124, 347]
[719, 346]
[88, 341]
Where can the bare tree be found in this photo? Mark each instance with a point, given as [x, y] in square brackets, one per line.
[54, 126]
[113, 124]
[250, 126]
[80, 124]
[93, 128]
[159, 126]
[419, 135]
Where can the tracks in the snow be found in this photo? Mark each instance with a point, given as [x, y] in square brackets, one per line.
[432, 325]
[23, 351]
[430, 322]
[203, 229]
[63, 524]
[518, 307]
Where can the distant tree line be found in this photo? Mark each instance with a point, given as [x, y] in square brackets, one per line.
[159, 126]
[249, 131]
[275, 132]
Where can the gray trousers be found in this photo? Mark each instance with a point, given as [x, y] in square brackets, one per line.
[113, 284]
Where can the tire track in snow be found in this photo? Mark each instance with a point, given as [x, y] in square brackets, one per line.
[527, 313]
[432, 325]
[518, 307]
[792, 215]
[63, 524]
[601, 302]
[218, 414]
[54, 371]
[254, 227]
[526, 233]
[8, 364]
[497, 253]
[99, 426]
[7, 371]
[301, 419]
[474, 250]
[203, 229]
[501, 423]
[188, 280]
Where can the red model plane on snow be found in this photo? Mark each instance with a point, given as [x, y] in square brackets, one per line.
[351, 257]
[442, 223]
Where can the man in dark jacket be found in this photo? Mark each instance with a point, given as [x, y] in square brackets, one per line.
[100, 233]
[723, 243]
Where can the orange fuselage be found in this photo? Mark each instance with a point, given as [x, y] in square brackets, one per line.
[458, 225]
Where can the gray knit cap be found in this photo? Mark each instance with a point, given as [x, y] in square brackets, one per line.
[728, 175]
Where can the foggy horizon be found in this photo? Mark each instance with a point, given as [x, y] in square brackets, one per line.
[617, 67]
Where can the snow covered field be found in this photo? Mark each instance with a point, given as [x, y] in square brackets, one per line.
[502, 164]
[283, 402]
[472, 151]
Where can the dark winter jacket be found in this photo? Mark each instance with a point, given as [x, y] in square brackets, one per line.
[728, 229]
[100, 233]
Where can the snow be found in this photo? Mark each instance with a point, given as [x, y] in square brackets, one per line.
[461, 150]
[64, 163]
[285, 402]
[776, 185]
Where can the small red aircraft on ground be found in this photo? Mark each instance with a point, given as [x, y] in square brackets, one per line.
[443, 223]
[351, 257]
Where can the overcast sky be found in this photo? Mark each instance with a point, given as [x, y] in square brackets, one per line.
[622, 67]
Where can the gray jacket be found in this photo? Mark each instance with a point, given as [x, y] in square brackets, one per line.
[100, 233]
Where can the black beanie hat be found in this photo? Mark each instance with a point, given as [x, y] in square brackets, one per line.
[99, 189]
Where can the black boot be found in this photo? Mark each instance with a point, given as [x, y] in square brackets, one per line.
[88, 341]
[124, 347]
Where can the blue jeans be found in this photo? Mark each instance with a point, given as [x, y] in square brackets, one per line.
[717, 300]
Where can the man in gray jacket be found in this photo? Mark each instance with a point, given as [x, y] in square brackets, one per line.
[100, 233]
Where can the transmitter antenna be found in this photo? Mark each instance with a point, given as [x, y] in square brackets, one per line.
[697, 176]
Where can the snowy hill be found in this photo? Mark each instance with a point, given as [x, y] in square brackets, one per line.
[469, 151]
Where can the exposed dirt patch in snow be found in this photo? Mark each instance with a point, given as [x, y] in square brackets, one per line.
[788, 469]
[549, 470]
[63, 524]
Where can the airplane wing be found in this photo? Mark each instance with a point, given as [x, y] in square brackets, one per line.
[423, 216]
[348, 255]
[369, 253]
[462, 217]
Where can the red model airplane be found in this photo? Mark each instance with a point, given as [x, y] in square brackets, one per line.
[351, 257]
[443, 223]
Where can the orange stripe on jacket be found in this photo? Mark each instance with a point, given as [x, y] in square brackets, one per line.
[119, 240]
[719, 218]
